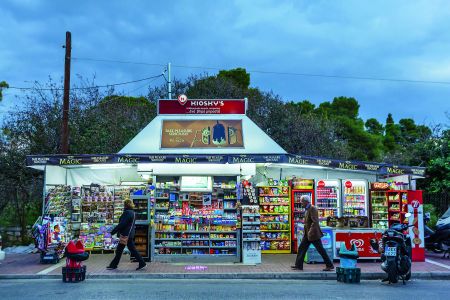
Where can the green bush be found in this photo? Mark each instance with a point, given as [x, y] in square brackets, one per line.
[433, 214]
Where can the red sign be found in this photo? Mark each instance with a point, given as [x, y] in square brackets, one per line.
[361, 239]
[321, 184]
[186, 106]
[348, 184]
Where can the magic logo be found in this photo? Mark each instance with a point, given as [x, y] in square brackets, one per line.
[298, 160]
[70, 160]
[243, 159]
[394, 170]
[128, 160]
[186, 160]
[348, 166]
[206, 103]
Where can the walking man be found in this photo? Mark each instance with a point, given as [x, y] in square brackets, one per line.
[311, 235]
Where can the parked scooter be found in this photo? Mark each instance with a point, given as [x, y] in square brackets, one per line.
[396, 252]
[438, 240]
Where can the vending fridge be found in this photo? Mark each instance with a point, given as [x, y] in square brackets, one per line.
[327, 199]
[355, 199]
[379, 205]
[300, 187]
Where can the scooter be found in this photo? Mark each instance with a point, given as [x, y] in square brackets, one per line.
[396, 252]
[438, 240]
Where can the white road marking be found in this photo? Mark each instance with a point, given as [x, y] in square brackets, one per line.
[49, 269]
[436, 263]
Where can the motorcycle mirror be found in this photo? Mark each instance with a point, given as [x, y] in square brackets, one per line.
[407, 215]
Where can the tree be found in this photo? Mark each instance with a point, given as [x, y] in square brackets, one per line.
[238, 76]
[374, 127]
[3, 85]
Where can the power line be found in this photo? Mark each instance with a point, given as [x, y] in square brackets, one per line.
[275, 72]
[86, 88]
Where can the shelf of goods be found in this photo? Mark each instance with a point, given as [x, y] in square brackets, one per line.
[298, 212]
[195, 225]
[379, 209]
[354, 198]
[275, 212]
[251, 239]
[327, 200]
[397, 207]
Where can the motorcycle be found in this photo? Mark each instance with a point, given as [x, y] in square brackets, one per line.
[396, 252]
[438, 240]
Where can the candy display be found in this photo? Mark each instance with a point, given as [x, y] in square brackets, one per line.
[274, 207]
[195, 223]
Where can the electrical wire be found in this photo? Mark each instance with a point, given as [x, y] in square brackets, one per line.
[274, 72]
[86, 88]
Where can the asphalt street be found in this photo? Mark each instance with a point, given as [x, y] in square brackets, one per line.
[220, 289]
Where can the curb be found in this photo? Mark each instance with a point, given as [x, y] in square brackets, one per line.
[232, 276]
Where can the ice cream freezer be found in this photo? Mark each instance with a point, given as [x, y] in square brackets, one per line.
[360, 237]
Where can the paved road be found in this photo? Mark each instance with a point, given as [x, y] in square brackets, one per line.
[220, 289]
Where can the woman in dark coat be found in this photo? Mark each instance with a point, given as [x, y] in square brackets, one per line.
[126, 228]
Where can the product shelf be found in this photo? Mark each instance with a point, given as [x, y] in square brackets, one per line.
[274, 214]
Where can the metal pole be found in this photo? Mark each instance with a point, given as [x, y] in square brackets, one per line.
[65, 118]
[169, 82]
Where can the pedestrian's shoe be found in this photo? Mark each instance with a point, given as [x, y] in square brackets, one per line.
[134, 260]
[111, 268]
[296, 268]
[141, 267]
[328, 268]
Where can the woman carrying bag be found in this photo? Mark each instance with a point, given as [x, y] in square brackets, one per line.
[125, 232]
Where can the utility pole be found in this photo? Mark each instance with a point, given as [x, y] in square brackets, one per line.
[169, 82]
[65, 118]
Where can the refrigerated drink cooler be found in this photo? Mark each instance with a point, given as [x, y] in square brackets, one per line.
[300, 187]
[355, 198]
[327, 200]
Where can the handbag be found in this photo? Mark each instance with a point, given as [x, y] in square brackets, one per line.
[123, 239]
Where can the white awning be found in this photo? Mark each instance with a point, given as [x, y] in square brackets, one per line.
[256, 141]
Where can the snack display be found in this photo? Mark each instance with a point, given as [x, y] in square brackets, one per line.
[195, 223]
[397, 207]
[274, 207]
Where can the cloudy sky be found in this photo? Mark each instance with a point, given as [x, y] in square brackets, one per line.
[406, 40]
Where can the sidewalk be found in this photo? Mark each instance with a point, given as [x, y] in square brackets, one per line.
[273, 267]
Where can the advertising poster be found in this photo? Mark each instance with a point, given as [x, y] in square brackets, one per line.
[202, 134]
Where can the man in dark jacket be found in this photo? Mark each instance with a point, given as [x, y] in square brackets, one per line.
[311, 235]
[126, 228]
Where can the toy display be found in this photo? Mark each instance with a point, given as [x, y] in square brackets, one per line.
[275, 210]
[58, 201]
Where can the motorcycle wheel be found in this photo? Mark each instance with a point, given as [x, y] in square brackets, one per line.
[392, 272]
[408, 275]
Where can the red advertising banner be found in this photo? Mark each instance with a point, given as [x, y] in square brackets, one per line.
[184, 106]
[361, 238]
[416, 233]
